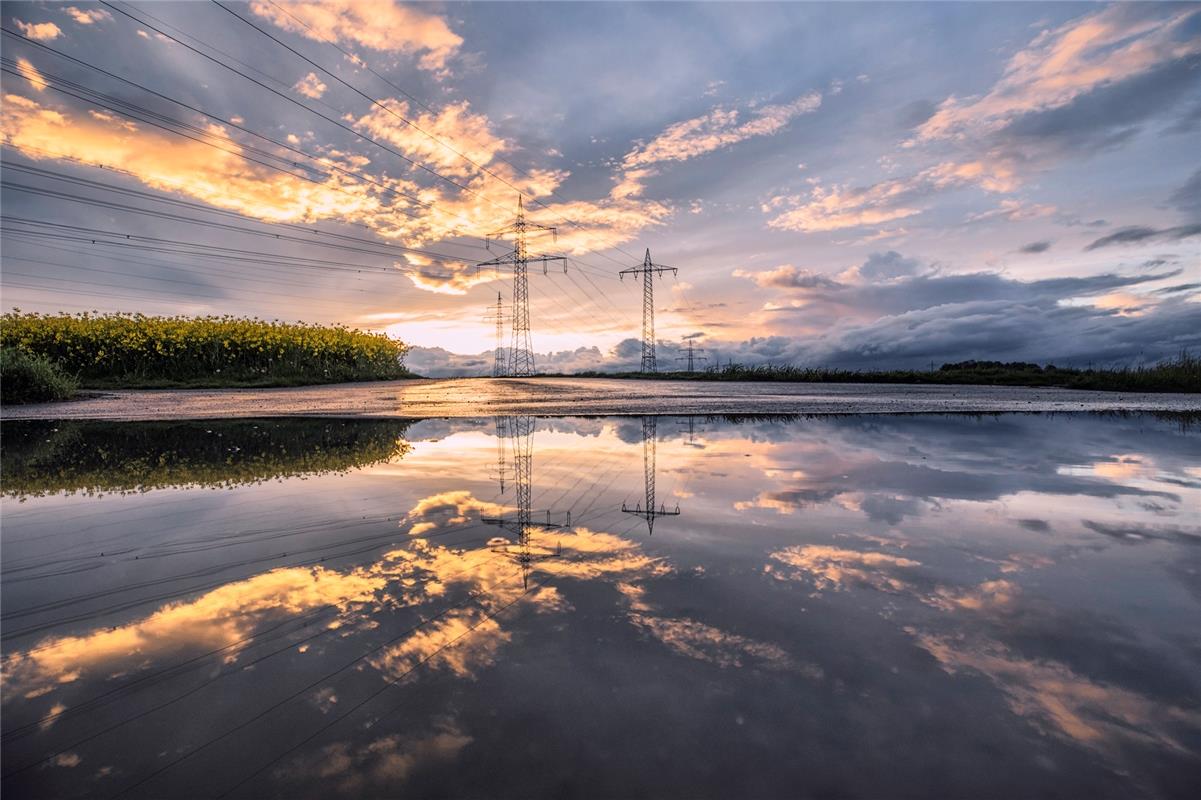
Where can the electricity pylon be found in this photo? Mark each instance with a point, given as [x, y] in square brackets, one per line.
[521, 353]
[519, 431]
[646, 271]
[692, 356]
[496, 313]
[649, 512]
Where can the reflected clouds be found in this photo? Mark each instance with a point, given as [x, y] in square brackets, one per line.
[1022, 583]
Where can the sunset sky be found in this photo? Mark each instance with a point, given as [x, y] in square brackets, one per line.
[857, 185]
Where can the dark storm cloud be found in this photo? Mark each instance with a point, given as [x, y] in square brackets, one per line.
[1036, 247]
[1142, 233]
[932, 290]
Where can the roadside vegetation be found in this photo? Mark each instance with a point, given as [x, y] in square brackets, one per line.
[1179, 374]
[30, 378]
[48, 457]
[110, 351]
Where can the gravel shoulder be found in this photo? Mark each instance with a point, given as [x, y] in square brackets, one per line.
[478, 397]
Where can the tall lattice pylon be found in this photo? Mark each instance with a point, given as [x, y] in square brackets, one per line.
[692, 355]
[496, 313]
[519, 431]
[646, 271]
[649, 512]
[521, 351]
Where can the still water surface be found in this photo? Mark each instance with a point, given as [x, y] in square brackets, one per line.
[887, 606]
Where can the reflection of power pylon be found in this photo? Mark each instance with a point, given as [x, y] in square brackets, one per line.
[646, 271]
[502, 435]
[519, 431]
[650, 512]
[521, 353]
[692, 442]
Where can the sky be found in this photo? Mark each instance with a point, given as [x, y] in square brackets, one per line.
[838, 184]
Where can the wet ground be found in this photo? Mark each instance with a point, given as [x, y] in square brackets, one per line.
[929, 605]
[474, 397]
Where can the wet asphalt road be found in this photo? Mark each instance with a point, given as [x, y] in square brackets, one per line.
[481, 397]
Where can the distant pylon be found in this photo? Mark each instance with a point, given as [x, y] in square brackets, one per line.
[521, 352]
[692, 356]
[649, 512]
[646, 271]
[500, 364]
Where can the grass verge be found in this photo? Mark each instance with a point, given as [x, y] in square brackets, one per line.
[30, 378]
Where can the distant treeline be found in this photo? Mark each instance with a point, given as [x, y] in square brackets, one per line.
[136, 351]
[45, 457]
[1179, 374]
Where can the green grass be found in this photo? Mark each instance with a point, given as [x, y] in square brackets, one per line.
[111, 351]
[1179, 374]
[48, 457]
[30, 378]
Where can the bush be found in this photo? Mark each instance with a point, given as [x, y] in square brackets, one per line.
[130, 350]
[29, 378]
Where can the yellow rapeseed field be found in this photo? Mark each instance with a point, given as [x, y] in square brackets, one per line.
[133, 349]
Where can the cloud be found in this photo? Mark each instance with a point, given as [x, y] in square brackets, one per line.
[837, 568]
[1061, 65]
[1035, 247]
[30, 73]
[42, 31]
[382, 25]
[1188, 197]
[87, 16]
[217, 177]
[788, 277]
[1141, 233]
[434, 138]
[310, 86]
[379, 766]
[1064, 703]
[719, 128]
[885, 266]
[1015, 211]
[840, 206]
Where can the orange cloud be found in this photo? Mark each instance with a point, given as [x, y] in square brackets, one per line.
[381, 25]
[42, 31]
[87, 16]
[1060, 65]
[717, 129]
[217, 619]
[220, 178]
[30, 73]
[311, 86]
[831, 567]
[1063, 703]
[438, 139]
[837, 207]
